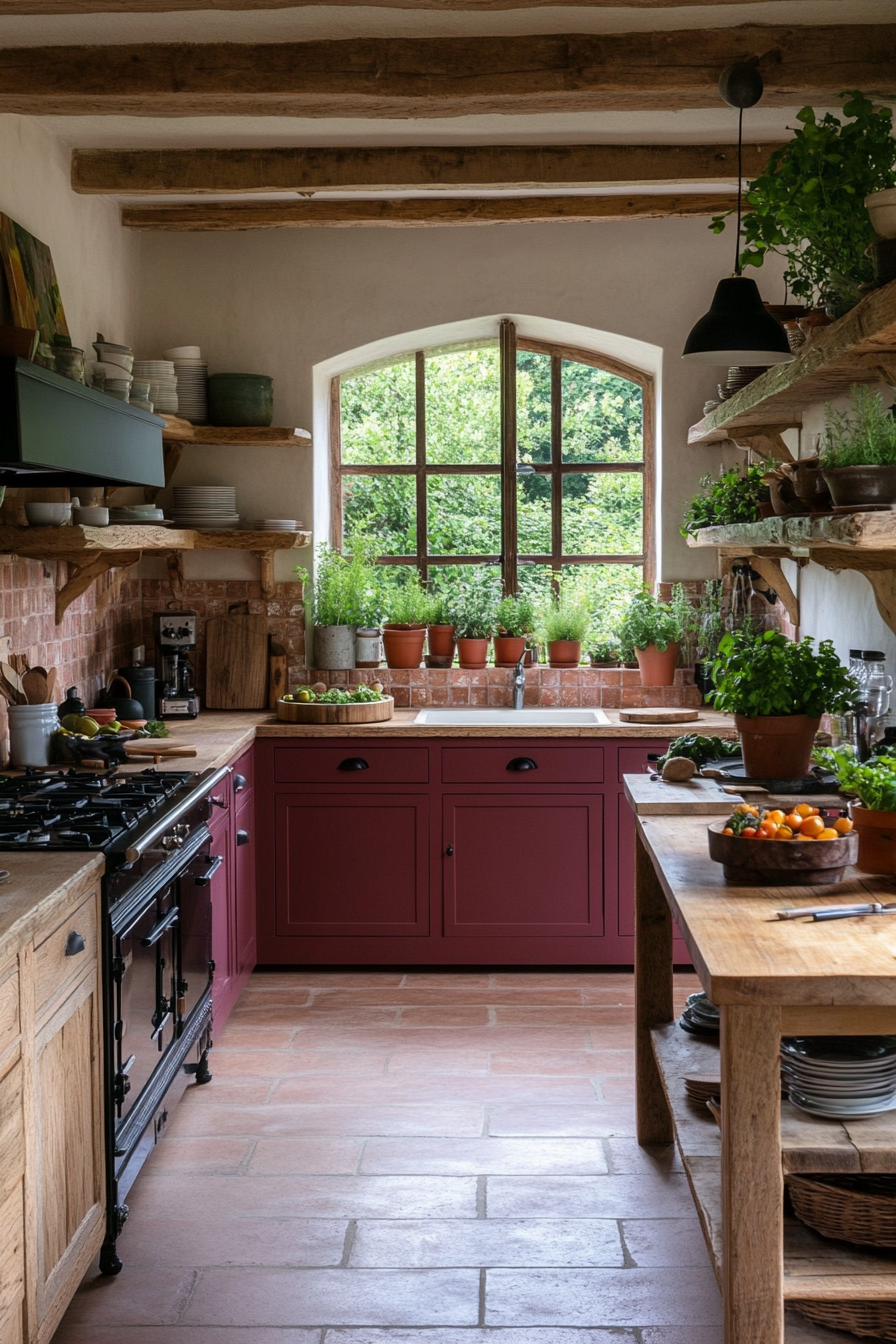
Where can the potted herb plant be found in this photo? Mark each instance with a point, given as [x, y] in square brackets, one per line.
[805, 204]
[874, 784]
[731, 497]
[407, 606]
[858, 457]
[440, 631]
[515, 623]
[604, 652]
[653, 630]
[344, 589]
[565, 625]
[474, 620]
[687, 617]
[777, 691]
[709, 633]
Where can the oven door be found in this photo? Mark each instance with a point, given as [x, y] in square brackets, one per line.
[194, 899]
[147, 955]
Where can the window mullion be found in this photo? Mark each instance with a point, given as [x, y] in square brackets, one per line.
[556, 470]
[507, 346]
[420, 465]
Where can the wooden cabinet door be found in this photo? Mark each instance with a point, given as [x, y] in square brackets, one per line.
[69, 1148]
[352, 865]
[244, 892]
[12, 1203]
[223, 916]
[530, 866]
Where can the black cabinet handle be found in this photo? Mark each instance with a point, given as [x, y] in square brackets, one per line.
[155, 934]
[353, 763]
[239, 783]
[450, 851]
[242, 838]
[522, 763]
[214, 862]
[74, 944]
[218, 802]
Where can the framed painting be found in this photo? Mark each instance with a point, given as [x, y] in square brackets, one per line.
[32, 287]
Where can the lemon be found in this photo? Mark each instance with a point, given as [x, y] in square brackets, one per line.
[86, 726]
[304, 696]
[71, 722]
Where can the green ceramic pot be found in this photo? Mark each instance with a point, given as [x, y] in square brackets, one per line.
[240, 399]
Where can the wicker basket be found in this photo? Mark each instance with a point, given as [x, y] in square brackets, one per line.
[874, 1319]
[860, 1209]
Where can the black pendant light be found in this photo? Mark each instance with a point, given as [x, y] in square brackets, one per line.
[738, 329]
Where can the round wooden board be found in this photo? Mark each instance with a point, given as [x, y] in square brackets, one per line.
[658, 715]
[376, 711]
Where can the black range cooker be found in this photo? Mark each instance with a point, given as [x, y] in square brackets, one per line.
[156, 938]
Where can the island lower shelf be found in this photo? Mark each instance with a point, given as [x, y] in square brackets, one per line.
[815, 1268]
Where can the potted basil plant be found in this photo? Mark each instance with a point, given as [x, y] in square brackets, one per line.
[440, 631]
[874, 817]
[475, 615]
[404, 633]
[565, 626]
[777, 691]
[858, 456]
[604, 652]
[653, 630]
[515, 623]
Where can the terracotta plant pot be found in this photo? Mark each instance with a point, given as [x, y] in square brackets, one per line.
[441, 642]
[657, 666]
[596, 664]
[404, 645]
[565, 652]
[509, 649]
[777, 746]
[862, 485]
[472, 653]
[877, 839]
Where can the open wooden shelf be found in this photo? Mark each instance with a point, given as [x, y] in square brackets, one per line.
[815, 1268]
[253, 436]
[859, 348]
[92, 551]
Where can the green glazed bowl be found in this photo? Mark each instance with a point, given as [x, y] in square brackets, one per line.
[240, 399]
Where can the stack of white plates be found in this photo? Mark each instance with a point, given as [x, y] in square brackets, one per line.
[192, 382]
[113, 379]
[840, 1076]
[205, 506]
[160, 375]
[276, 524]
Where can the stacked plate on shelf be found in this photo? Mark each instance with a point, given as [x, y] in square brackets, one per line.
[191, 371]
[162, 379]
[702, 1087]
[276, 525]
[205, 506]
[700, 1017]
[839, 1077]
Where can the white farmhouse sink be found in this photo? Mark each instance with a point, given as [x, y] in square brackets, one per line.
[509, 718]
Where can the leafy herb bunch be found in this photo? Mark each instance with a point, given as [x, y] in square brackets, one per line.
[732, 497]
[863, 438]
[873, 783]
[649, 621]
[808, 204]
[766, 674]
[347, 589]
[476, 606]
[567, 617]
[516, 617]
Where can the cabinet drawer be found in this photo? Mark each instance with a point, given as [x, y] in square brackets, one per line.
[632, 760]
[56, 968]
[506, 765]
[9, 1008]
[12, 1134]
[329, 765]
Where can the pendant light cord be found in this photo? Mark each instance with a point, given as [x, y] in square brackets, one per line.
[740, 179]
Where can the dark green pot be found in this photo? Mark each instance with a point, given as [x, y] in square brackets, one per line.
[240, 399]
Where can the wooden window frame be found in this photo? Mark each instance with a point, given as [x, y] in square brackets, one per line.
[505, 467]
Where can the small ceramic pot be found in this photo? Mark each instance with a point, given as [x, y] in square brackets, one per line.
[368, 646]
[441, 642]
[877, 839]
[509, 649]
[404, 645]
[777, 746]
[657, 666]
[565, 653]
[472, 653]
[334, 647]
[857, 485]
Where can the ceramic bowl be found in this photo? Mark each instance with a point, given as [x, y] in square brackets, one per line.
[182, 352]
[101, 716]
[48, 515]
[92, 517]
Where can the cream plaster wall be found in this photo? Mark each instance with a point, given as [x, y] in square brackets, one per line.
[95, 259]
[283, 301]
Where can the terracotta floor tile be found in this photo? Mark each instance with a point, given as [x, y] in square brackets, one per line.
[340, 1297]
[306, 1157]
[601, 1296]
[593, 1016]
[140, 1297]
[447, 979]
[310, 1197]
[575, 978]
[279, 1014]
[449, 1015]
[493, 1089]
[530, 1335]
[311, 1035]
[606, 994]
[589, 1197]
[321, 977]
[437, 1059]
[599, 1121]
[423, 995]
[627, 1157]
[603, 1037]
[658, 1243]
[255, 996]
[282, 1063]
[617, 1089]
[283, 1121]
[225, 1091]
[235, 1037]
[671, 1334]
[482, 1157]
[487, 1241]
[178, 1334]
[234, 1241]
[557, 1063]
[221, 1156]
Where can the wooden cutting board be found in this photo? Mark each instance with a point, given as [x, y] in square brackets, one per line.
[658, 715]
[236, 662]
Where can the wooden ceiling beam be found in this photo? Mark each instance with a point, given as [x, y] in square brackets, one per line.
[447, 6]
[160, 172]
[446, 77]
[417, 213]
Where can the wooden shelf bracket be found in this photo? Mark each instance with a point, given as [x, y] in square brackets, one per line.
[84, 572]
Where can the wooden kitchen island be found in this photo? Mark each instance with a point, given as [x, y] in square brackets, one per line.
[770, 978]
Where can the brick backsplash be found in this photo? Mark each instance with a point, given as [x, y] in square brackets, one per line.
[606, 688]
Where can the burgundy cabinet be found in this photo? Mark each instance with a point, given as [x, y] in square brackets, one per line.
[232, 827]
[528, 866]
[632, 760]
[351, 865]
[221, 894]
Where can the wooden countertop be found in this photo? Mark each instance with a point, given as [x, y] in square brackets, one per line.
[36, 882]
[219, 736]
[402, 724]
[744, 954]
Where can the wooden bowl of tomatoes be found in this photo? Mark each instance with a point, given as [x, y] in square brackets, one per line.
[780, 848]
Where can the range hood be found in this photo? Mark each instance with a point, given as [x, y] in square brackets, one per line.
[54, 431]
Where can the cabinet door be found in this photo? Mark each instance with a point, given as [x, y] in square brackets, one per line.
[69, 1117]
[12, 1204]
[244, 891]
[352, 865]
[221, 897]
[530, 866]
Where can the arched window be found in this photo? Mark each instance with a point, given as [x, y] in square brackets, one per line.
[532, 459]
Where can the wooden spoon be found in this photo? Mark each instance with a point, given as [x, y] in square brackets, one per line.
[14, 681]
[35, 687]
[51, 683]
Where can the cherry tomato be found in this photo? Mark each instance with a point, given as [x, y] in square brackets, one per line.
[803, 810]
[784, 833]
[748, 832]
[828, 833]
[727, 831]
[768, 829]
[812, 828]
[794, 821]
[843, 825]
[776, 816]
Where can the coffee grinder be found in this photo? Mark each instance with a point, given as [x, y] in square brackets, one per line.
[175, 636]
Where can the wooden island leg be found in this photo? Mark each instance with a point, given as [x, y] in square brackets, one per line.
[752, 1180]
[653, 995]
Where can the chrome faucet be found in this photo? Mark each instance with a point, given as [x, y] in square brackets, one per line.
[519, 682]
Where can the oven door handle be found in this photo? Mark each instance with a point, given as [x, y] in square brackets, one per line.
[155, 934]
[215, 861]
[149, 838]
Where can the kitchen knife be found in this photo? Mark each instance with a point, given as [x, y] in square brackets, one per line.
[833, 913]
[798, 911]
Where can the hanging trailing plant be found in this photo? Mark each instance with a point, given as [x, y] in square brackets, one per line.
[808, 204]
